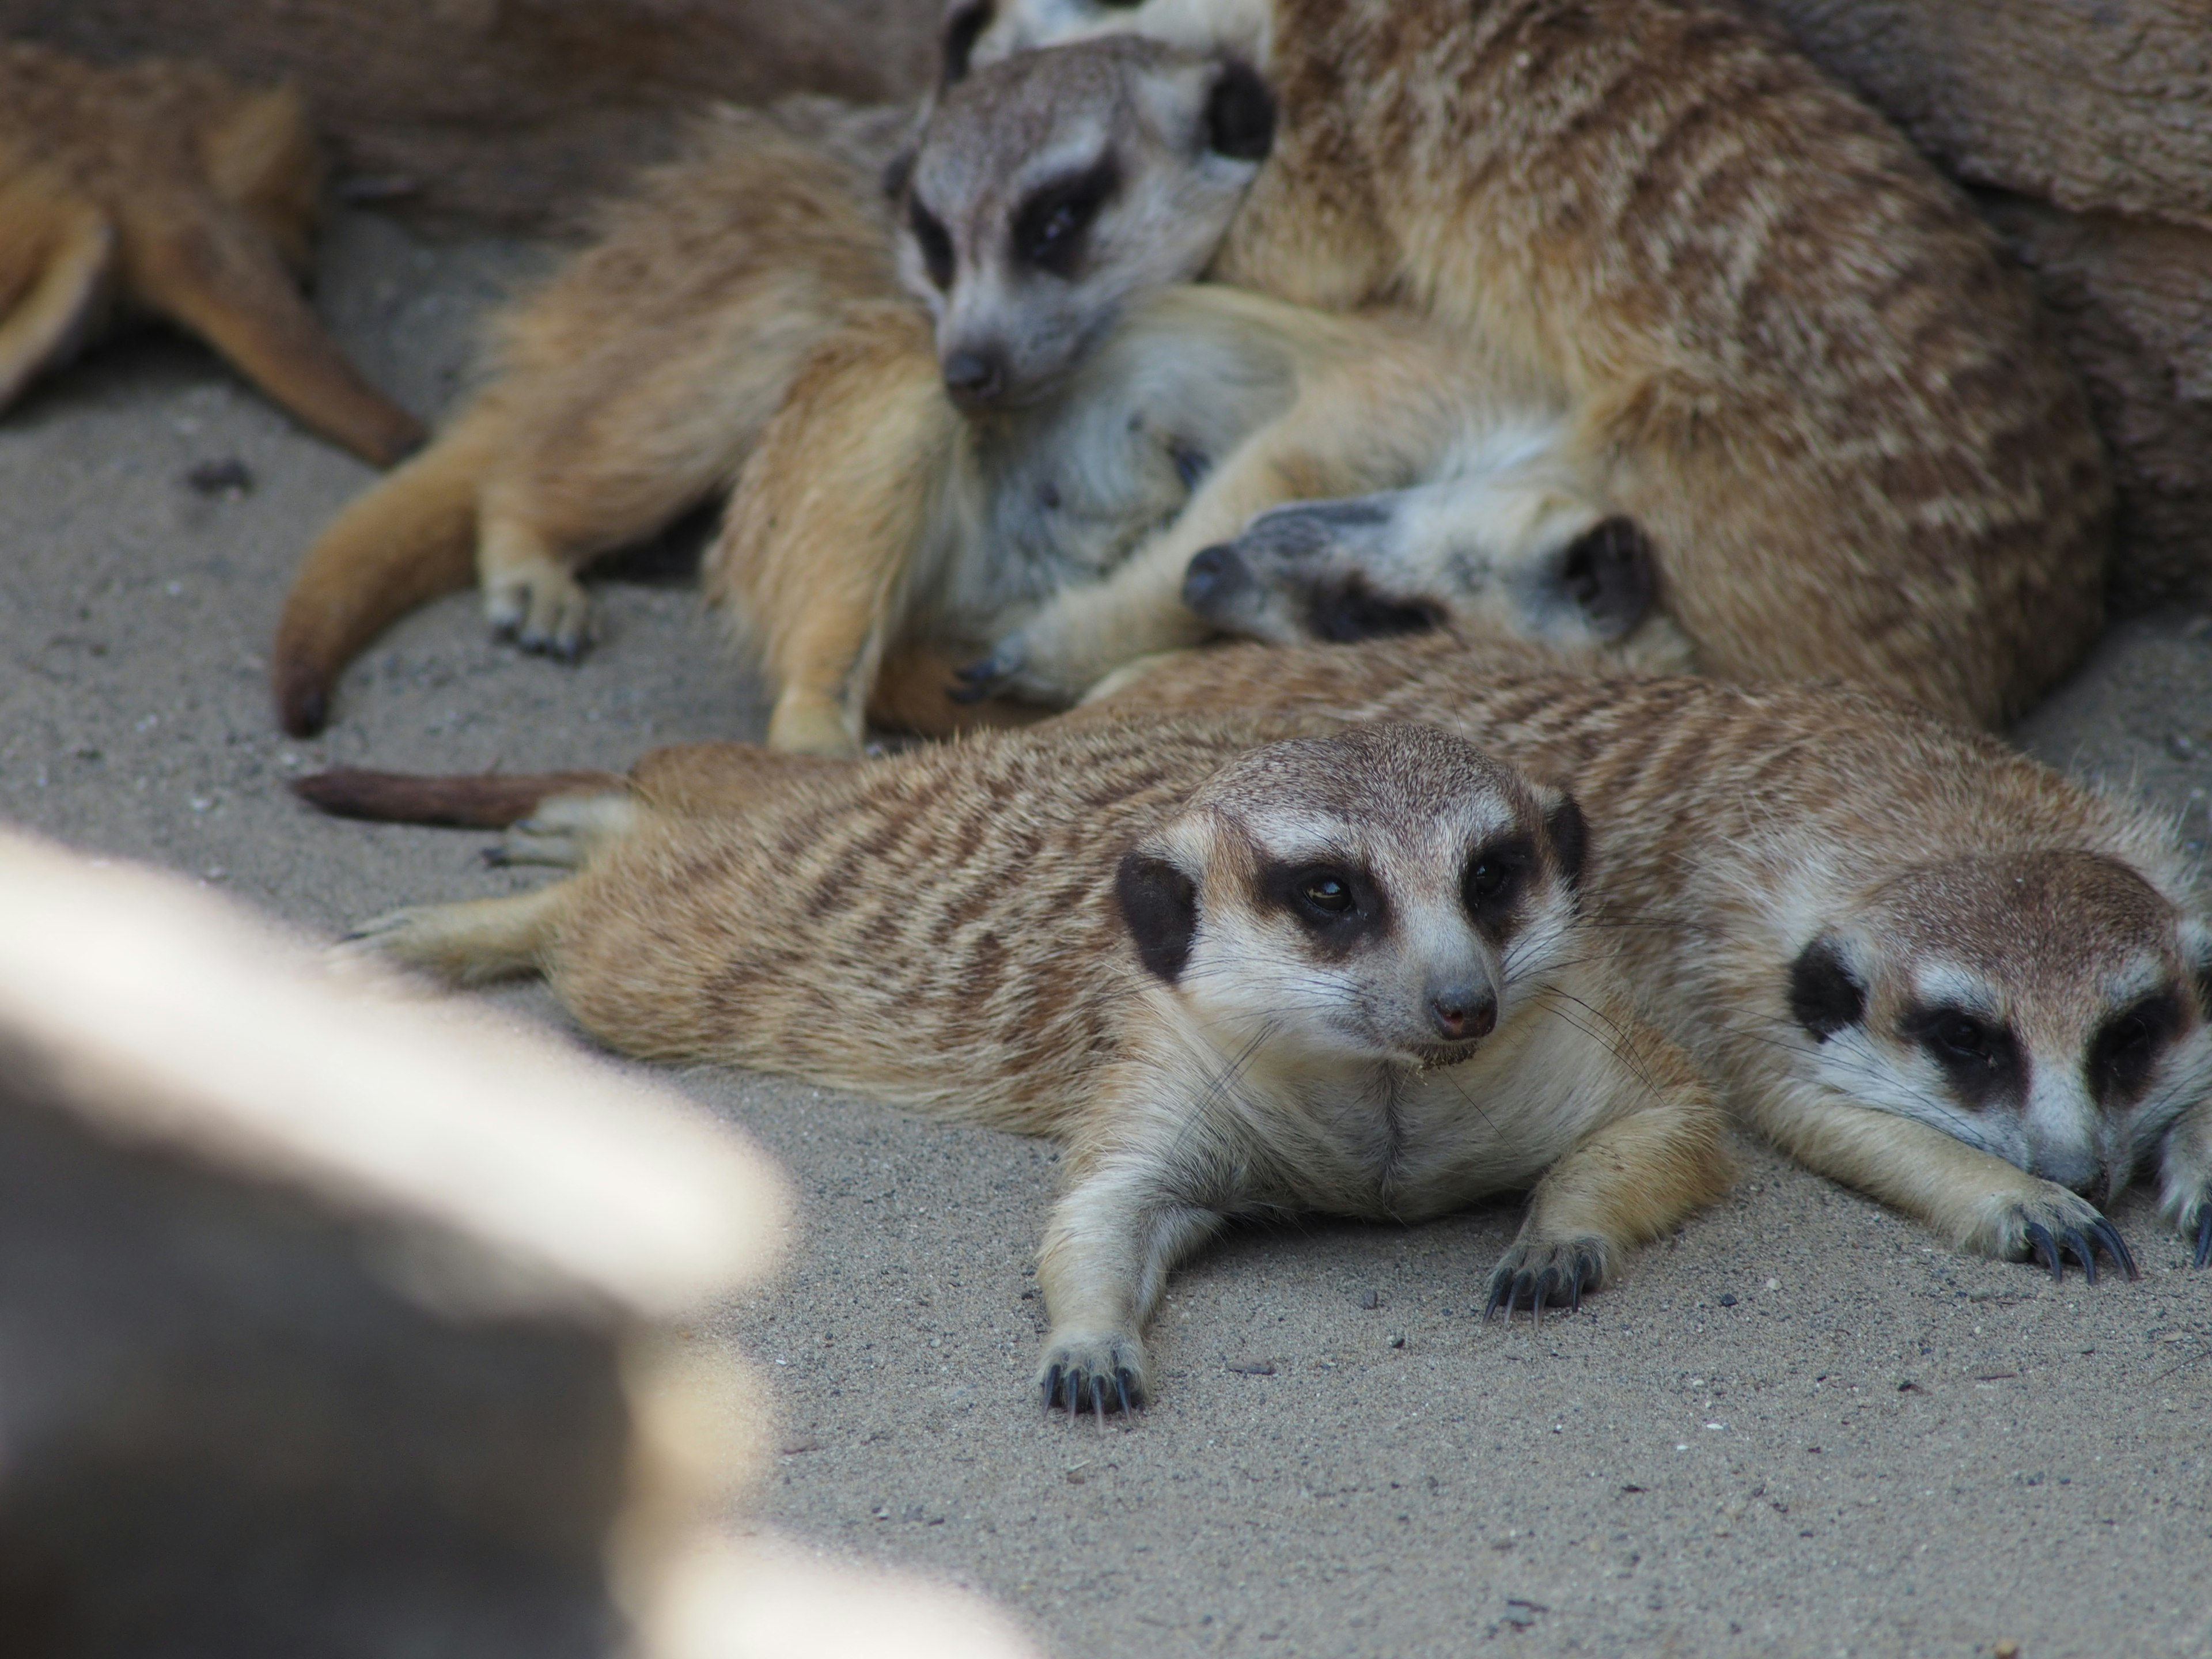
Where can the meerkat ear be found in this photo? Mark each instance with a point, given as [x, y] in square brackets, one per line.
[1240, 113]
[1569, 833]
[963, 26]
[1825, 994]
[1611, 575]
[1159, 905]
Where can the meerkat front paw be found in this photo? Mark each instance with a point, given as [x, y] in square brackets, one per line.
[2185, 1180]
[2050, 1226]
[542, 608]
[1093, 1372]
[1544, 1273]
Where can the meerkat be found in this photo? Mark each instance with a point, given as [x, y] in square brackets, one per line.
[876, 526]
[166, 188]
[1787, 349]
[1342, 973]
[1913, 959]
[626, 390]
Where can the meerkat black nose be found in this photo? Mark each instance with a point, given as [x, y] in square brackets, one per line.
[1462, 1010]
[974, 377]
[1213, 579]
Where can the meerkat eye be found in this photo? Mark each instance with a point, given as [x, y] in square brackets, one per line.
[1326, 891]
[1963, 1037]
[935, 243]
[1493, 877]
[2122, 1054]
[1049, 229]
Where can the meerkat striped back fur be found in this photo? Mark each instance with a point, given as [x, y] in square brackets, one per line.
[1342, 973]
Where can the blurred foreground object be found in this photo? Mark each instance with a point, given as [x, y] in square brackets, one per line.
[166, 188]
[337, 1320]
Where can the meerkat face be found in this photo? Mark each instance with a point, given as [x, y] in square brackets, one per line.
[1537, 562]
[2049, 1007]
[1388, 895]
[1046, 191]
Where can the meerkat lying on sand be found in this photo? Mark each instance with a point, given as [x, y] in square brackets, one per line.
[1787, 349]
[1915, 960]
[166, 188]
[1343, 974]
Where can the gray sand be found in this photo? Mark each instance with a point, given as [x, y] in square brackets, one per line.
[1798, 1426]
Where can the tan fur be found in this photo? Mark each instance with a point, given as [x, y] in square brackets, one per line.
[166, 188]
[965, 929]
[1793, 353]
[1734, 828]
[627, 389]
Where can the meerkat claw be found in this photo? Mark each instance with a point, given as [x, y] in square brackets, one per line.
[2117, 1247]
[2045, 1248]
[2204, 1236]
[1566, 1272]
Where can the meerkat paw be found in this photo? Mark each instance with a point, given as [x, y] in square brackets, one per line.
[807, 722]
[2047, 1227]
[1093, 1372]
[2185, 1180]
[564, 831]
[1544, 1272]
[540, 607]
[467, 944]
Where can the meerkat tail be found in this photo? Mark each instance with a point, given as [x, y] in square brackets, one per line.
[222, 279]
[38, 323]
[408, 541]
[465, 801]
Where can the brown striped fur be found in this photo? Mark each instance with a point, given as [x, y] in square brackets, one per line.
[1794, 356]
[1734, 829]
[166, 188]
[953, 929]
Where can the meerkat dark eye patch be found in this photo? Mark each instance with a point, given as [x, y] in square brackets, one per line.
[1335, 904]
[2127, 1046]
[1349, 610]
[1159, 907]
[962, 30]
[1979, 1057]
[1491, 885]
[1824, 997]
[934, 241]
[1609, 574]
[1240, 113]
[1051, 227]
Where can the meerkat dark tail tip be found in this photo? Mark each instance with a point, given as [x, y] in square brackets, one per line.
[467, 801]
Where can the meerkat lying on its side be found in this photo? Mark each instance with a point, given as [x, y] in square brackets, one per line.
[1787, 349]
[626, 390]
[875, 523]
[166, 188]
[1343, 974]
[1915, 960]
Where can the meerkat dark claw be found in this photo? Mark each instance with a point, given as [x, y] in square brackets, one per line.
[2103, 1232]
[2083, 1251]
[1121, 1387]
[2045, 1248]
[1051, 1389]
[2204, 1236]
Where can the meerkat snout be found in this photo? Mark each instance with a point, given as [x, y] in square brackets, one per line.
[1046, 191]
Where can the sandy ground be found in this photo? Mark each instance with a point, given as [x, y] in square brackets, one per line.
[1798, 1427]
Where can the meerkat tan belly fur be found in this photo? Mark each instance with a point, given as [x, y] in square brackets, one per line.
[1915, 959]
[1343, 974]
[1790, 351]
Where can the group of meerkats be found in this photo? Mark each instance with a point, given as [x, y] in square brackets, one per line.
[1637, 477]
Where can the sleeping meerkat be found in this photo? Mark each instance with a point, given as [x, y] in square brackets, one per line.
[1788, 350]
[1342, 973]
[875, 524]
[166, 188]
[1915, 960]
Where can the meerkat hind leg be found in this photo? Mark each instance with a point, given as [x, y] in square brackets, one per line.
[529, 595]
[59, 302]
[472, 943]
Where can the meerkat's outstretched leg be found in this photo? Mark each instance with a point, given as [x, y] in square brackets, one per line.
[66, 252]
[472, 943]
[830, 514]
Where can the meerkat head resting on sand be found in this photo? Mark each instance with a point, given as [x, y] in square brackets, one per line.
[1492, 543]
[977, 33]
[2063, 1030]
[1388, 896]
[1046, 191]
